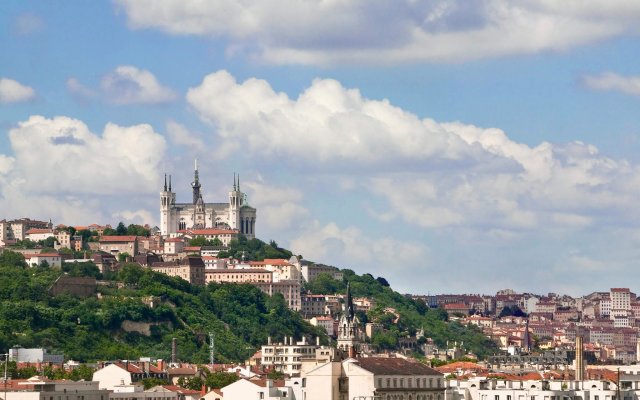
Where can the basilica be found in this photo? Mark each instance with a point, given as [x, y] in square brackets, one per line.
[236, 214]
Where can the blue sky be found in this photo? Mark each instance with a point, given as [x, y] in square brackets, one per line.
[449, 146]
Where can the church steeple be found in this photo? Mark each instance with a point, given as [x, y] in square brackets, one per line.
[165, 182]
[196, 184]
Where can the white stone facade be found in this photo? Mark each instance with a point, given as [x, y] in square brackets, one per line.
[235, 214]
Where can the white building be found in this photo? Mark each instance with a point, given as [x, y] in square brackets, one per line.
[53, 259]
[287, 357]
[40, 388]
[262, 389]
[236, 214]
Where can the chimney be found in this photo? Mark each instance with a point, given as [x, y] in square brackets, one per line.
[317, 340]
[579, 359]
[161, 364]
[268, 340]
[174, 351]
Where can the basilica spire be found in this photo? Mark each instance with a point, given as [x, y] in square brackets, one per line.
[196, 183]
[234, 182]
[165, 182]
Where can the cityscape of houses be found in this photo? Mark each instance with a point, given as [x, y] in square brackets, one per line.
[551, 347]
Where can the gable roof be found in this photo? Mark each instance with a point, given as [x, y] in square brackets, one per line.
[118, 239]
[395, 366]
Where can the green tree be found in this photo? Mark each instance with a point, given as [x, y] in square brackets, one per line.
[275, 375]
[12, 259]
[121, 230]
[130, 273]
[122, 257]
[153, 382]
[220, 379]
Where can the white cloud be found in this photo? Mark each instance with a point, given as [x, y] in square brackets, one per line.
[610, 81]
[429, 174]
[140, 217]
[60, 169]
[62, 155]
[182, 136]
[388, 32]
[14, 92]
[280, 207]
[79, 90]
[27, 24]
[331, 244]
[130, 85]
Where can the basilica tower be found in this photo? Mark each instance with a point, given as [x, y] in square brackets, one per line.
[167, 200]
[235, 204]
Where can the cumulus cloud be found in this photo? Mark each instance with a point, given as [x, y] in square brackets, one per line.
[130, 85]
[331, 243]
[69, 158]
[79, 90]
[27, 24]
[179, 134]
[428, 173]
[280, 207]
[60, 169]
[14, 92]
[610, 81]
[139, 217]
[388, 32]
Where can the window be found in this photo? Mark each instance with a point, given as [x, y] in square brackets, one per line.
[380, 383]
[496, 397]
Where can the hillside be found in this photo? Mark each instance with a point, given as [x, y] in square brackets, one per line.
[240, 316]
[413, 315]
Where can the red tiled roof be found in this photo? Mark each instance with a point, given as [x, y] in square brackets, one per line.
[276, 261]
[118, 239]
[38, 230]
[395, 366]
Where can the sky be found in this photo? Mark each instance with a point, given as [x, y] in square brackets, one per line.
[449, 146]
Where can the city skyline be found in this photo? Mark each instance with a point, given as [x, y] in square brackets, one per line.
[446, 146]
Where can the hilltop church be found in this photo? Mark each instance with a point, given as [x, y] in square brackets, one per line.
[236, 214]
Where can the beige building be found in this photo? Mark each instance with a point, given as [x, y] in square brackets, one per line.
[119, 244]
[238, 275]
[374, 378]
[290, 290]
[191, 269]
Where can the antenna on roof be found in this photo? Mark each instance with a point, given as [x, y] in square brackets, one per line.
[211, 348]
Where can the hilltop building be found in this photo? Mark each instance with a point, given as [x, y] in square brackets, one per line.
[235, 215]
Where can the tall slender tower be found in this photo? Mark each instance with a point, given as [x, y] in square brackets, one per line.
[166, 200]
[196, 184]
[349, 327]
[235, 203]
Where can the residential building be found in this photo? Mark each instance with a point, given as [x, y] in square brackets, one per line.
[125, 373]
[238, 275]
[41, 388]
[54, 260]
[327, 323]
[313, 305]
[35, 355]
[191, 269]
[287, 357]
[38, 234]
[119, 244]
